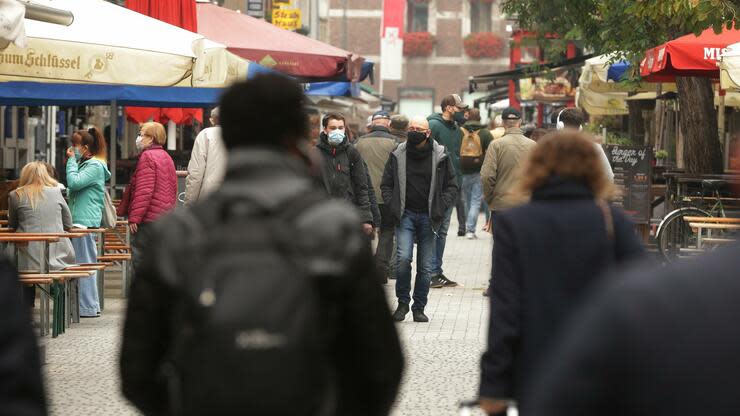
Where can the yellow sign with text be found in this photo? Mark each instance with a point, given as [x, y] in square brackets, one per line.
[288, 19]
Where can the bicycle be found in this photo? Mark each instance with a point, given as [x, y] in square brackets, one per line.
[674, 237]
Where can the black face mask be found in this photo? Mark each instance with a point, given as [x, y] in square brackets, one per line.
[416, 137]
[460, 117]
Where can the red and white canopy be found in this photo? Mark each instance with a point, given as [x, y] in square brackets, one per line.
[688, 55]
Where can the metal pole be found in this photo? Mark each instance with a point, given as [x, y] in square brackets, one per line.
[48, 14]
[112, 145]
[314, 19]
[344, 24]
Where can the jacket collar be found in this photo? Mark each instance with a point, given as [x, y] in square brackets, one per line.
[557, 187]
[438, 151]
[515, 130]
[384, 129]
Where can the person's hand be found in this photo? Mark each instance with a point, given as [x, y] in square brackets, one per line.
[367, 229]
[70, 152]
[133, 228]
[493, 406]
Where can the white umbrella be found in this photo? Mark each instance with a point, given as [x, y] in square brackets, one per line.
[109, 44]
[729, 74]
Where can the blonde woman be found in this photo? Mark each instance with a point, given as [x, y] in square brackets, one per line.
[547, 253]
[37, 206]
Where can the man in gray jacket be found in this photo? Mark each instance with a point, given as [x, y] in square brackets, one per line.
[207, 162]
[375, 148]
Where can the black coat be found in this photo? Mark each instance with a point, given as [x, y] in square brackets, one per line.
[658, 342]
[21, 388]
[366, 357]
[547, 254]
[344, 175]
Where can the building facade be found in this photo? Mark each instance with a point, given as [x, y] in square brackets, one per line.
[355, 25]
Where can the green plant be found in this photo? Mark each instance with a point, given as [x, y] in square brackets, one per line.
[661, 154]
[629, 28]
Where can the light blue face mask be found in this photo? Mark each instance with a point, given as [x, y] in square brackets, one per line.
[336, 137]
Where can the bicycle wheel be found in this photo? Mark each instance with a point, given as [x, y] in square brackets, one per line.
[674, 237]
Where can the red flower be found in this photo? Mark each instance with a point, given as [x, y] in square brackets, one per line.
[418, 44]
[483, 45]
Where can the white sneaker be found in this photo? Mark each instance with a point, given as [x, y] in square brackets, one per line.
[471, 236]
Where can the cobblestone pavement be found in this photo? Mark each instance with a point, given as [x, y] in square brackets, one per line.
[442, 356]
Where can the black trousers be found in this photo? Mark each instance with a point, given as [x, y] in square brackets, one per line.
[384, 254]
[462, 215]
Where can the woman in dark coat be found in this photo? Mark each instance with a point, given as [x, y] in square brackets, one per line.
[548, 253]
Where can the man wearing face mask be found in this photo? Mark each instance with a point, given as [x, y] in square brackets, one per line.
[445, 128]
[343, 170]
[419, 187]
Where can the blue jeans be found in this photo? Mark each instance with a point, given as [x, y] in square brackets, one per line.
[473, 194]
[86, 251]
[414, 227]
[440, 243]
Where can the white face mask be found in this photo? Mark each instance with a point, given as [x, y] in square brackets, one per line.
[139, 142]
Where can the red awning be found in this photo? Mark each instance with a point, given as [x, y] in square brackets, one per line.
[285, 51]
[180, 13]
[688, 55]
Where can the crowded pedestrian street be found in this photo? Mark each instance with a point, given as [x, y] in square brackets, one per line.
[81, 368]
[369, 207]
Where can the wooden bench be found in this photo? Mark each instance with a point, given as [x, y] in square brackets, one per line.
[715, 220]
[710, 227]
[54, 286]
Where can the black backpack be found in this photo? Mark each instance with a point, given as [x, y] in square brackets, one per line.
[254, 328]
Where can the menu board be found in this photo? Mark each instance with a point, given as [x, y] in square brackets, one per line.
[632, 166]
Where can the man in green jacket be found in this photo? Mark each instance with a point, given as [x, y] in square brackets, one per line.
[445, 128]
[476, 138]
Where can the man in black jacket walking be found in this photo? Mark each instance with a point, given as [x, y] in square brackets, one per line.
[419, 186]
[343, 170]
[264, 298]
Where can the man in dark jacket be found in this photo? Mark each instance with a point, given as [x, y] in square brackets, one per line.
[21, 388]
[659, 342]
[226, 286]
[476, 138]
[419, 187]
[375, 148]
[343, 170]
[445, 128]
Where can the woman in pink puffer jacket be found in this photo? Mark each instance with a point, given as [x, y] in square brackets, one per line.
[152, 191]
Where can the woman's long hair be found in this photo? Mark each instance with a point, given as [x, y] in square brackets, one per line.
[34, 177]
[567, 154]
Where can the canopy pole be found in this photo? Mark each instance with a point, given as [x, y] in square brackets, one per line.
[112, 145]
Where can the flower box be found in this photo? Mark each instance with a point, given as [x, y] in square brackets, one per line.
[483, 45]
[418, 44]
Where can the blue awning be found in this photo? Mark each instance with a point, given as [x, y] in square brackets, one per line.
[617, 71]
[37, 94]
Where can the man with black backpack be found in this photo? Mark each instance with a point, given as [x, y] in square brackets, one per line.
[262, 299]
[475, 141]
